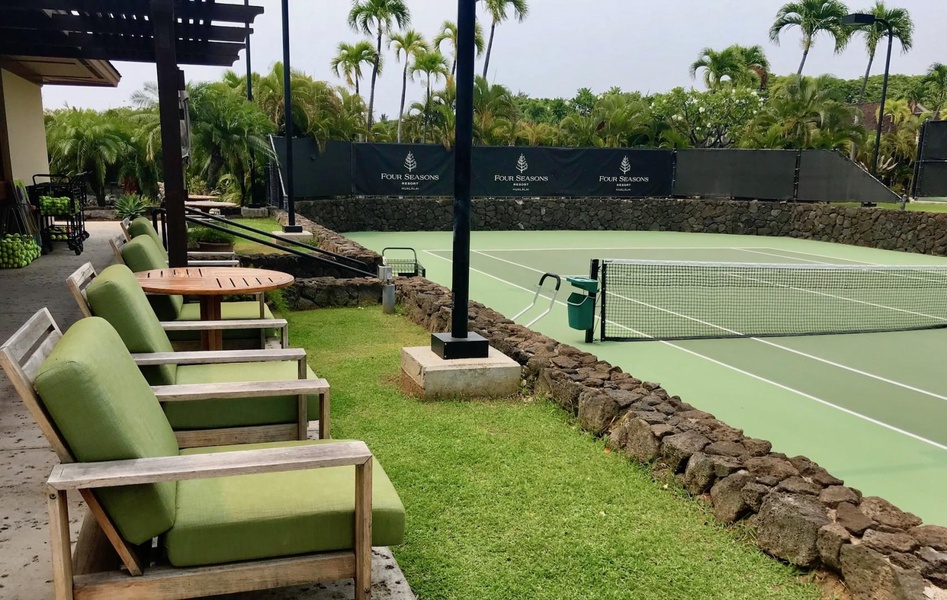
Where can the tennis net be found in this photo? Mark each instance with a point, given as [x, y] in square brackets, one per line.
[667, 300]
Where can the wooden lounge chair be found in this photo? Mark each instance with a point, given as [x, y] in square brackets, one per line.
[188, 326]
[116, 296]
[299, 512]
[142, 226]
[141, 254]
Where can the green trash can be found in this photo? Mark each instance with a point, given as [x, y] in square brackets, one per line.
[581, 310]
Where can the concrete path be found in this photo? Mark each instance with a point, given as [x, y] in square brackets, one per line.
[26, 460]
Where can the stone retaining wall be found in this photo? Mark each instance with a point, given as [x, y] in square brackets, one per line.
[329, 292]
[802, 513]
[888, 229]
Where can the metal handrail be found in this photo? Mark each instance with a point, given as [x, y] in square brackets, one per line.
[269, 234]
[539, 288]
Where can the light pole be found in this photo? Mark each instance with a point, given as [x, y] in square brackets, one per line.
[288, 112]
[866, 20]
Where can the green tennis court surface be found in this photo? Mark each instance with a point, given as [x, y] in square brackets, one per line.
[871, 408]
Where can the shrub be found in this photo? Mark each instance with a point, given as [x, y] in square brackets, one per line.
[206, 234]
[131, 206]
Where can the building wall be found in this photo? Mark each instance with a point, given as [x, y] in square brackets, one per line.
[23, 139]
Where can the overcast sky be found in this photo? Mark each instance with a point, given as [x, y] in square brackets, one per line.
[562, 45]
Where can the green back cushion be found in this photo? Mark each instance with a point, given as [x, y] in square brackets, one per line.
[142, 254]
[229, 519]
[116, 297]
[142, 226]
[105, 410]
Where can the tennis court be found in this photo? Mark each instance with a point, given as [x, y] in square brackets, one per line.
[870, 407]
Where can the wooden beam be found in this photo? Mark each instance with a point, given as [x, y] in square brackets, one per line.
[104, 25]
[175, 192]
[189, 9]
[37, 49]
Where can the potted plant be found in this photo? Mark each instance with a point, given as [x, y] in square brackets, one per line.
[211, 240]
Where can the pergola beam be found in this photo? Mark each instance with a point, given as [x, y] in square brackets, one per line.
[205, 11]
[18, 19]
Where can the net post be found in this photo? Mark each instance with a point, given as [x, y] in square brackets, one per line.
[590, 332]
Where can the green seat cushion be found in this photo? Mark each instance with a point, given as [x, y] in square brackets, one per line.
[231, 519]
[236, 310]
[116, 296]
[242, 412]
[142, 254]
[105, 410]
[142, 226]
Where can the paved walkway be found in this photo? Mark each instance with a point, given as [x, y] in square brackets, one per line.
[26, 460]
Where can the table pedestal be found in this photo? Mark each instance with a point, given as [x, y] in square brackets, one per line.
[211, 339]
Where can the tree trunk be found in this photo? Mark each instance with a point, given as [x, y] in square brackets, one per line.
[404, 91]
[427, 107]
[805, 54]
[871, 59]
[371, 97]
[486, 62]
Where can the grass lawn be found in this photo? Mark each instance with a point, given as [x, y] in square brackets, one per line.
[510, 499]
[910, 206]
[242, 246]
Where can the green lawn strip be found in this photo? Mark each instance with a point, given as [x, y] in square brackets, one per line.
[509, 499]
[243, 246]
[937, 207]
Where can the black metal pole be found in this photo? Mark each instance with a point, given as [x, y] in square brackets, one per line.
[463, 168]
[884, 94]
[288, 110]
[249, 64]
[169, 85]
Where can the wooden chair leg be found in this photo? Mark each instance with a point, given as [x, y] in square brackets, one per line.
[324, 418]
[59, 544]
[363, 531]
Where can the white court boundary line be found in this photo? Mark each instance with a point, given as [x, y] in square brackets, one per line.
[822, 401]
[571, 248]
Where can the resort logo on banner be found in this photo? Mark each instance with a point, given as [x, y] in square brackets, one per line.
[623, 182]
[521, 181]
[410, 181]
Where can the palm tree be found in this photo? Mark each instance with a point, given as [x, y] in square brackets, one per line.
[812, 17]
[449, 34]
[935, 87]
[717, 66]
[433, 65]
[902, 28]
[348, 62]
[85, 140]
[498, 14]
[755, 65]
[806, 112]
[377, 17]
[410, 43]
[226, 131]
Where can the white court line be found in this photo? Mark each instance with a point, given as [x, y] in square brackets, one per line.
[758, 377]
[603, 249]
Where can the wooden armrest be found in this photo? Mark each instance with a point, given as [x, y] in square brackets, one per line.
[243, 389]
[213, 263]
[225, 324]
[77, 476]
[218, 357]
[211, 255]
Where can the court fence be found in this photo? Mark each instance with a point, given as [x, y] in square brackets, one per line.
[343, 169]
[930, 180]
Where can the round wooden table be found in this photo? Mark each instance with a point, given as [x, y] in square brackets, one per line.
[212, 284]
